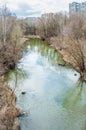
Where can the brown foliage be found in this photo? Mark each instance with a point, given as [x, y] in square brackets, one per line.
[71, 51]
[6, 59]
[50, 25]
[68, 35]
[8, 111]
[9, 56]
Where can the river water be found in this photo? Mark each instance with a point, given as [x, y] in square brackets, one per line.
[51, 96]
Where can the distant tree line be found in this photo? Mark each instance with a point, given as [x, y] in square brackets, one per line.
[59, 24]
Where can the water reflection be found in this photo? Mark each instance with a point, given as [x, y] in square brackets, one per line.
[16, 77]
[75, 102]
[74, 96]
[50, 54]
[55, 98]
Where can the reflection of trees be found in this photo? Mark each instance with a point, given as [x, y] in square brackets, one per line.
[53, 57]
[17, 76]
[84, 126]
[74, 102]
[73, 98]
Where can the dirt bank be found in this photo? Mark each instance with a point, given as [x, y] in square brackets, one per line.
[72, 53]
[8, 110]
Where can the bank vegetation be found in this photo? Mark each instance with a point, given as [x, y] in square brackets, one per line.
[11, 48]
[67, 34]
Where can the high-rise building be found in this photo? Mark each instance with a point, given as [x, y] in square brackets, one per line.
[83, 8]
[74, 7]
[78, 8]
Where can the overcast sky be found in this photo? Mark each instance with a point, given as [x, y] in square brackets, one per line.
[37, 7]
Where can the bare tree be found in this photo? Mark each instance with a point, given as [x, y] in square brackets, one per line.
[50, 25]
[4, 14]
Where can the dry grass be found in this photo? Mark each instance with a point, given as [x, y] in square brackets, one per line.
[8, 111]
[9, 56]
[73, 52]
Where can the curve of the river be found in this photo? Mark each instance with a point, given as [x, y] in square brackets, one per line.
[51, 96]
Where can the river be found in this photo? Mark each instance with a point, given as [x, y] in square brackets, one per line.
[51, 95]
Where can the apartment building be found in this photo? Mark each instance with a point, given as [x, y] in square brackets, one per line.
[78, 8]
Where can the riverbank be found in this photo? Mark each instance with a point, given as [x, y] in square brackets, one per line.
[10, 54]
[72, 52]
[8, 111]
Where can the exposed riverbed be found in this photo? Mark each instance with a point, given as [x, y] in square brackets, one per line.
[52, 96]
